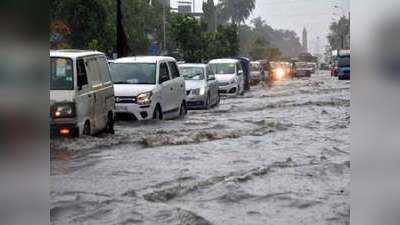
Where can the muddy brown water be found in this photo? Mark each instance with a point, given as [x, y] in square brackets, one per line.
[278, 156]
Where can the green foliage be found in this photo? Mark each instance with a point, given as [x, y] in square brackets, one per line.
[262, 41]
[339, 36]
[85, 18]
[237, 11]
[210, 15]
[197, 45]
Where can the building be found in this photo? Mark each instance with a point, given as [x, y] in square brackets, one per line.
[305, 40]
[193, 7]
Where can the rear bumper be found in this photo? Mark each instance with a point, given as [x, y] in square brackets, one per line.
[303, 73]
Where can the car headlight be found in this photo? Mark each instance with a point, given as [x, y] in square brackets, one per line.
[280, 73]
[63, 110]
[144, 98]
[202, 91]
[233, 81]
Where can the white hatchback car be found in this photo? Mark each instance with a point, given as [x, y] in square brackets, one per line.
[229, 74]
[148, 87]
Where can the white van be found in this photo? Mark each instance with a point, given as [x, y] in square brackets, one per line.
[229, 74]
[81, 93]
[148, 87]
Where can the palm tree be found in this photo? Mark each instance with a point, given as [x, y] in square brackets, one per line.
[237, 10]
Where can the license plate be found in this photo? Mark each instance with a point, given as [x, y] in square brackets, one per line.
[302, 72]
[122, 108]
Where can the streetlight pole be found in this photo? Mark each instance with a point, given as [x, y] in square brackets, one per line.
[164, 28]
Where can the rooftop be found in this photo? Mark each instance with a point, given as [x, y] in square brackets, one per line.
[224, 61]
[143, 59]
[73, 53]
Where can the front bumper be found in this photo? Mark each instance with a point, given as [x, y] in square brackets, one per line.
[64, 127]
[139, 112]
[345, 76]
[196, 101]
[303, 73]
[229, 89]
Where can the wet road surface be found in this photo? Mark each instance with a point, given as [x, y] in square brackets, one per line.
[276, 156]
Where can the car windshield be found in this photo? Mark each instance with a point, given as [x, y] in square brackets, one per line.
[344, 61]
[133, 73]
[192, 73]
[223, 68]
[61, 74]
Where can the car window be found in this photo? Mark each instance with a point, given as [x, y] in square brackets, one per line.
[92, 71]
[239, 67]
[61, 74]
[192, 72]
[104, 69]
[133, 73]
[164, 74]
[223, 68]
[174, 70]
[82, 75]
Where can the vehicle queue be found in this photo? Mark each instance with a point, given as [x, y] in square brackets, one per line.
[88, 93]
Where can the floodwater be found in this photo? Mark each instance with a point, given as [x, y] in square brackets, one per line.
[278, 155]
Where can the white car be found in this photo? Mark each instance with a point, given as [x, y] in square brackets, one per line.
[81, 93]
[201, 86]
[148, 87]
[229, 75]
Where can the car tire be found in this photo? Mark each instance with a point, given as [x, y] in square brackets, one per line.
[182, 110]
[208, 102]
[86, 129]
[157, 114]
[110, 124]
[218, 100]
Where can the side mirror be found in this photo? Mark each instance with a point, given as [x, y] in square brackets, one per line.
[163, 79]
[240, 72]
[211, 77]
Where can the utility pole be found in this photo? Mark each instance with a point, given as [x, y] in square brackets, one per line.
[122, 41]
[164, 28]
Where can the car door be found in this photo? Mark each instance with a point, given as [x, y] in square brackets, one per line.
[212, 84]
[178, 84]
[95, 85]
[85, 103]
[166, 88]
[106, 93]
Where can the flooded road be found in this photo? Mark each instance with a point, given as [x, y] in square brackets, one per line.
[278, 156]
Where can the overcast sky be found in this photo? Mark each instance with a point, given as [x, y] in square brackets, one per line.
[315, 15]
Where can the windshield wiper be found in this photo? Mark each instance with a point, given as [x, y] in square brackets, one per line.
[122, 82]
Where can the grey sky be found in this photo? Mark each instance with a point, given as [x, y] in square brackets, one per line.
[315, 15]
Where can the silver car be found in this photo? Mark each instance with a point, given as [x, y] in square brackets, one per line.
[202, 90]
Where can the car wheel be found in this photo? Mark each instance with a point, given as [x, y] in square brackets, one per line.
[182, 110]
[218, 100]
[110, 124]
[86, 129]
[208, 102]
[157, 115]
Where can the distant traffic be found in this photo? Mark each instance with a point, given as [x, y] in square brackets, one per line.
[88, 93]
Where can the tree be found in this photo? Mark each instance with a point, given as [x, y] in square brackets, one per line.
[237, 11]
[86, 20]
[261, 41]
[196, 44]
[339, 36]
[210, 15]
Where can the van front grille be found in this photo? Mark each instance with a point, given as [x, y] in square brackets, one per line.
[125, 100]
